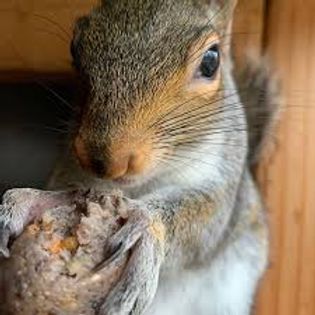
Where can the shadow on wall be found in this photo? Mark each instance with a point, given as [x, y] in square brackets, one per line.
[32, 130]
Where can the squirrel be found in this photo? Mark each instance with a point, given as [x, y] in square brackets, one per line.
[164, 120]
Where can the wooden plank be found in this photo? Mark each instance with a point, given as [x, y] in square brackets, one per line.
[248, 30]
[289, 288]
[35, 34]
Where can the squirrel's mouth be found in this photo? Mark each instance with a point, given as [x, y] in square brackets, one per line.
[129, 181]
[125, 181]
[132, 181]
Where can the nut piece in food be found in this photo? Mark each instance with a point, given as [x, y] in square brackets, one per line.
[50, 271]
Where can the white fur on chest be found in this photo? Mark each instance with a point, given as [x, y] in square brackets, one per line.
[227, 287]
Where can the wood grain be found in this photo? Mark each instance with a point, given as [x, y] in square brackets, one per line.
[248, 30]
[35, 34]
[289, 288]
[32, 39]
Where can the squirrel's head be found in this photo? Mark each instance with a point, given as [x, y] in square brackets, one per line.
[154, 71]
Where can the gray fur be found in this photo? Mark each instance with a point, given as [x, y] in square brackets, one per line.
[204, 201]
[259, 90]
[203, 216]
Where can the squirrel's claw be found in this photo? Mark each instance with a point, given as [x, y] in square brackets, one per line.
[4, 240]
[123, 240]
[15, 213]
[138, 283]
[20, 207]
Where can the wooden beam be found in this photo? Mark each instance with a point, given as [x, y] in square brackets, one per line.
[287, 180]
[248, 30]
[35, 34]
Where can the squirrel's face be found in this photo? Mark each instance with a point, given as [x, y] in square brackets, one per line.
[154, 76]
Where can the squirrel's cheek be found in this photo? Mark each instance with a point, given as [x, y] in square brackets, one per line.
[81, 153]
[202, 86]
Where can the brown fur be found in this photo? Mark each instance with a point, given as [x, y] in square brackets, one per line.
[184, 142]
[193, 218]
[142, 70]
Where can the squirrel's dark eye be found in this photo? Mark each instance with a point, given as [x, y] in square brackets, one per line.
[210, 62]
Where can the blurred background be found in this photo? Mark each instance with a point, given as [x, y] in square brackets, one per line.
[32, 127]
[37, 87]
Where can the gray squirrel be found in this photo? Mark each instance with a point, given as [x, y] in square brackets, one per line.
[164, 120]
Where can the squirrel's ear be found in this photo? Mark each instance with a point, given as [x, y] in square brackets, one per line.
[227, 3]
[226, 7]
[224, 10]
[221, 9]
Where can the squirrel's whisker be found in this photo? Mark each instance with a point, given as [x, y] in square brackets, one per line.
[50, 32]
[205, 115]
[214, 101]
[52, 22]
[56, 95]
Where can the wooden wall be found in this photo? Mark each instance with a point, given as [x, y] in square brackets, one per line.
[34, 36]
[248, 30]
[287, 179]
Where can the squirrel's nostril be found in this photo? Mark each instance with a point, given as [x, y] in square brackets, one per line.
[124, 163]
[117, 167]
[98, 167]
[81, 152]
[113, 164]
[86, 159]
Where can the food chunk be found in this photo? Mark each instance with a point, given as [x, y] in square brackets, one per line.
[52, 269]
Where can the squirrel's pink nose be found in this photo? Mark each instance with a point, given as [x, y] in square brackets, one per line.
[117, 162]
[117, 167]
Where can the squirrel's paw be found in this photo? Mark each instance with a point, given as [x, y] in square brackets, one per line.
[19, 207]
[15, 212]
[142, 237]
[4, 239]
